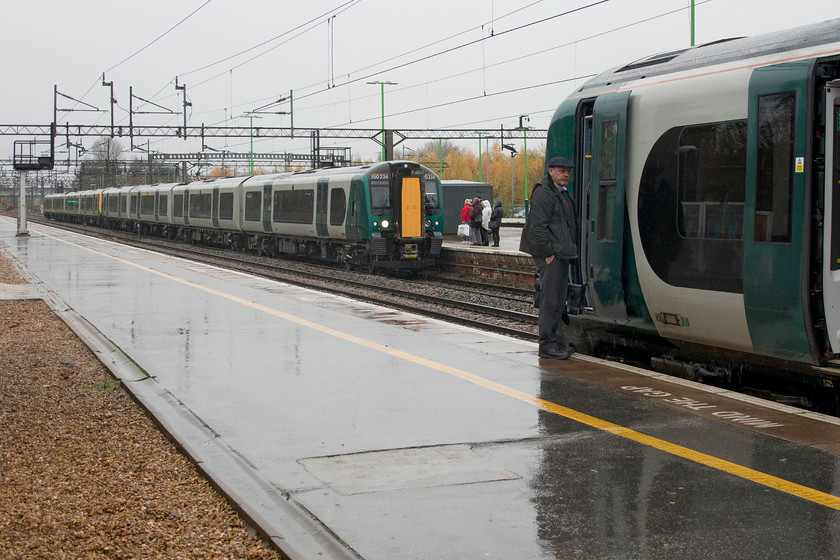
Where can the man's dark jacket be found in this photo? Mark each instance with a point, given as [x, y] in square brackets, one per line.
[551, 227]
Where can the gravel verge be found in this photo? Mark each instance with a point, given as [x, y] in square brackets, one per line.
[84, 472]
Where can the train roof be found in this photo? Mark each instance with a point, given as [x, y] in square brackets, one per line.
[719, 52]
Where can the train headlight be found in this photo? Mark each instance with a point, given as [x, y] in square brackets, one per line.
[385, 224]
[428, 223]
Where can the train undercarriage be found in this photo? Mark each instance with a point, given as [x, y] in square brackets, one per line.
[378, 253]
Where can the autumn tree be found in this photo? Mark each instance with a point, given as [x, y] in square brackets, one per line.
[463, 164]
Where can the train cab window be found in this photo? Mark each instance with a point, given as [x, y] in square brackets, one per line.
[253, 205]
[380, 195]
[163, 205]
[147, 204]
[338, 207]
[294, 207]
[226, 206]
[774, 168]
[200, 205]
[431, 200]
[178, 205]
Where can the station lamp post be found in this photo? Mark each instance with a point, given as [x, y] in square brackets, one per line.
[382, 99]
[512, 177]
[524, 130]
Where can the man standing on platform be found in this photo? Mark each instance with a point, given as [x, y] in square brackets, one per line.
[550, 236]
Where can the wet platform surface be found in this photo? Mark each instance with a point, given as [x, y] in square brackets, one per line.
[348, 430]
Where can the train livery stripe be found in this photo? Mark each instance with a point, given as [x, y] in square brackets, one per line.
[758, 477]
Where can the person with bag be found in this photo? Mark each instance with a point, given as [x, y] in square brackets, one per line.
[550, 236]
[464, 227]
[496, 222]
[485, 222]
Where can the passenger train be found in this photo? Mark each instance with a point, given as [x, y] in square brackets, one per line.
[708, 187]
[381, 216]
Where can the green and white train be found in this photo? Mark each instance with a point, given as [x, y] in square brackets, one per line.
[385, 215]
[708, 185]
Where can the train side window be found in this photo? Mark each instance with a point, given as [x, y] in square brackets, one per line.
[712, 165]
[147, 204]
[774, 172]
[338, 207]
[226, 206]
[178, 205]
[294, 207]
[163, 204]
[609, 149]
[253, 206]
[607, 180]
[113, 201]
[200, 205]
[123, 200]
[691, 206]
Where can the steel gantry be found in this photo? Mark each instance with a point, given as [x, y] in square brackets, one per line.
[202, 131]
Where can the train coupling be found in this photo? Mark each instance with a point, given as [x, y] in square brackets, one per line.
[411, 251]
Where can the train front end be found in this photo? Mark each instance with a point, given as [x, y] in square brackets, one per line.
[405, 215]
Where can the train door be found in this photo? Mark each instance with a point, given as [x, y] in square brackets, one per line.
[321, 201]
[581, 187]
[831, 227]
[412, 205]
[214, 215]
[776, 242]
[604, 221]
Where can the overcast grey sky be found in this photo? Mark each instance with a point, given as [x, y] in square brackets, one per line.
[457, 64]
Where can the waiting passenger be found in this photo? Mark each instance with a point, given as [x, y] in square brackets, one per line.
[496, 222]
[485, 222]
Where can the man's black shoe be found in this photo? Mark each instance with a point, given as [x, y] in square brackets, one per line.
[557, 353]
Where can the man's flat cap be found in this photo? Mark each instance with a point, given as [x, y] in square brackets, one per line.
[559, 161]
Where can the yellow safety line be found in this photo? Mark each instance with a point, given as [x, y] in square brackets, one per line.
[758, 477]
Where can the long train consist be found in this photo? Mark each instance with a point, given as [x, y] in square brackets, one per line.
[386, 215]
[708, 185]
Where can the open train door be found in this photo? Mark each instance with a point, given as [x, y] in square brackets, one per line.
[607, 206]
[831, 243]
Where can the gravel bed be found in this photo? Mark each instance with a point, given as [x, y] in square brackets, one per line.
[84, 472]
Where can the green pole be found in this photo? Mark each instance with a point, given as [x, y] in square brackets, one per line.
[382, 99]
[251, 153]
[440, 154]
[525, 148]
[692, 23]
[479, 157]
